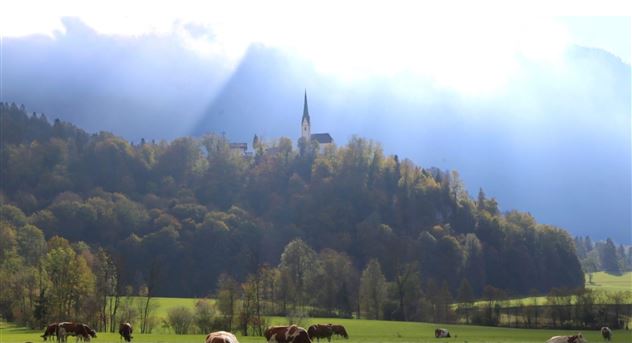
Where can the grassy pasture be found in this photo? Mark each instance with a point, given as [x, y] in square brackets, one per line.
[607, 282]
[164, 304]
[601, 281]
[360, 331]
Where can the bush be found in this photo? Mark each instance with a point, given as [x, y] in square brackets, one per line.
[180, 319]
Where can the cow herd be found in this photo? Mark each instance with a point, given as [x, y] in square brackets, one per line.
[274, 334]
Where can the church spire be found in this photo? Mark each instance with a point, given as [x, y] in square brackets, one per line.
[305, 110]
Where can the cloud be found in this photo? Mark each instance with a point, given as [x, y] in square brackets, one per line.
[473, 51]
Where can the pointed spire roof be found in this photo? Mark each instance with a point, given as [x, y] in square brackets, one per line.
[305, 110]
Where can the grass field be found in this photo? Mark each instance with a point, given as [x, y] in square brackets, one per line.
[608, 282]
[164, 304]
[360, 331]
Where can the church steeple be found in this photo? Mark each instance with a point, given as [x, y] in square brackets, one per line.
[306, 130]
[305, 110]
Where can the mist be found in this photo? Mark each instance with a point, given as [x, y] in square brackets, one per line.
[554, 140]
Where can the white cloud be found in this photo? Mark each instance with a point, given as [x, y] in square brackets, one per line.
[475, 51]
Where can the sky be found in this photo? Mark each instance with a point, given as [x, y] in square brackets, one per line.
[353, 39]
[484, 56]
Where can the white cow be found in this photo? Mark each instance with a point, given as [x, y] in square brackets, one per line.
[567, 339]
[442, 333]
[606, 333]
[221, 337]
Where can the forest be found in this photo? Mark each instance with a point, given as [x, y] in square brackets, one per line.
[88, 217]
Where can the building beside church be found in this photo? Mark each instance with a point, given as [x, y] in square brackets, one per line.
[323, 139]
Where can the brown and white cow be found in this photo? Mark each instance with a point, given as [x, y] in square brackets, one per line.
[606, 333]
[442, 333]
[340, 331]
[319, 331]
[567, 339]
[286, 334]
[221, 337]
[61, 334]
[125, 330]
[79, 330]
[51, 330]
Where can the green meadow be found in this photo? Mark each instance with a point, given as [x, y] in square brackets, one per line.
[609, 282]
[164, 304]
[360, 331]
[364, 331]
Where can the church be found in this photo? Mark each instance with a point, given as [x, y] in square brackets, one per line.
[323, 139]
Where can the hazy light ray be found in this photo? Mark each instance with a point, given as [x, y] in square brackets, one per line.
[474, 53]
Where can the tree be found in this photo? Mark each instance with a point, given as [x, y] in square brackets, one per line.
[373, 291]
[465, 298]
[227, 295]
[250, 316]
[8, 239]
[31, 244]
[71, 279]
[301, 266]
[147, 291]
[180, 319]
[608, 257]
[337, 283]
[204, 315]
[407, 287]
[107, 287]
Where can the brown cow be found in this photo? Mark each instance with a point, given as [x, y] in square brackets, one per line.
[125, 330]
[51, 330]
[340, 331]
[319, 331]
[287, 334]
[221, 337]
[79, 330]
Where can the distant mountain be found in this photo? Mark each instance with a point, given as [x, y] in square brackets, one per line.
[554, 142]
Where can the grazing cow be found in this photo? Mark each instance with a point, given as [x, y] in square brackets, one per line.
[340, 331]
[221, 337]
[567, 339]
[606, 333]
[51, 329]
[125, 330]
[319, 331]
[287, 334]
[61, 334]
[442, 333]
[79, 330]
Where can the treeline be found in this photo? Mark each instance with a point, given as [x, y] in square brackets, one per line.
[179, 214]
[579, 309]
[603, 256]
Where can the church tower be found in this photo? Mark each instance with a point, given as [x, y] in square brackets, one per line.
[305, 124]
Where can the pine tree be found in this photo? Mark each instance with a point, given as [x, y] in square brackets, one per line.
[609, 261]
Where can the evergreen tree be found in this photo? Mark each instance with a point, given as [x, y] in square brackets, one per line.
[608, 257]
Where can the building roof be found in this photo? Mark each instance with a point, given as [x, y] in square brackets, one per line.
[322, 138]
[243, 146]
[305, 110]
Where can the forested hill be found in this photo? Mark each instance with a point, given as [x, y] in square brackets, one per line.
[179, 214]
